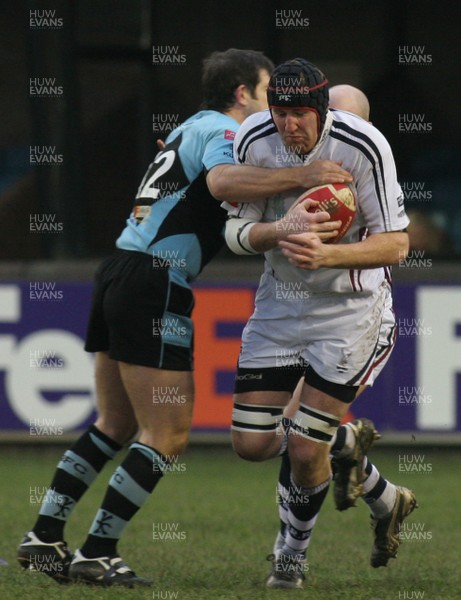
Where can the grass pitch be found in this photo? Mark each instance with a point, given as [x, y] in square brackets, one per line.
[214, 519]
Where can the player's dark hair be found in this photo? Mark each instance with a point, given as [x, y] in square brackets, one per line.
[224, 71]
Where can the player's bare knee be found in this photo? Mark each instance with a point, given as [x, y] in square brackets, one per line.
[254, 429]
[250, 454]
[249, 447]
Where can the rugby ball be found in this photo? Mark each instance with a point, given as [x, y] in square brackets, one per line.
[337, 199]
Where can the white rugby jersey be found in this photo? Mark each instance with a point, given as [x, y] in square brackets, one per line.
[365, 153]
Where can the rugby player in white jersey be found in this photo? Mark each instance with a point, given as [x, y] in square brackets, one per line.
[139, 296]
[341, 335]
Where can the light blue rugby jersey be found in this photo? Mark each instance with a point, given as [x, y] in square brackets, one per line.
[174, 216]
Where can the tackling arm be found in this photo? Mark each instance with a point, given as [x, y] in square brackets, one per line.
[244, 183]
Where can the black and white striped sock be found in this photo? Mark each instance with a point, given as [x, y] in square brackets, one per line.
[283, 491]
[343, 442]
[303, 508]
[378, 493]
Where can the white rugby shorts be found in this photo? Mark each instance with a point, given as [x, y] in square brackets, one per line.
[346, 338]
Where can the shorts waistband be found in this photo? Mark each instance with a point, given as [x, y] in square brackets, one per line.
[156, 261]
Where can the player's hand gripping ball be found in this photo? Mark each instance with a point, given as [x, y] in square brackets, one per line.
[337, 199]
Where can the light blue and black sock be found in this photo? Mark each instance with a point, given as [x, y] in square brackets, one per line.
[76, 471]
[130, 486]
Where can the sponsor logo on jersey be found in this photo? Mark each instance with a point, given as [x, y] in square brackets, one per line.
[141, 212]
[229, 135]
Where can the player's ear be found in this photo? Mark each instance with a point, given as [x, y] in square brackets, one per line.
[241, 95]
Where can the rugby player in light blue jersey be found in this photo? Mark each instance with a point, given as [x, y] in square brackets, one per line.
[140, 325]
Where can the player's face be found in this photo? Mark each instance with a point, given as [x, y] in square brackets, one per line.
[298, 128]
[258, 100]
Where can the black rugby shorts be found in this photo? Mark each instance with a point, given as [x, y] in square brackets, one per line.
[139, 315]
